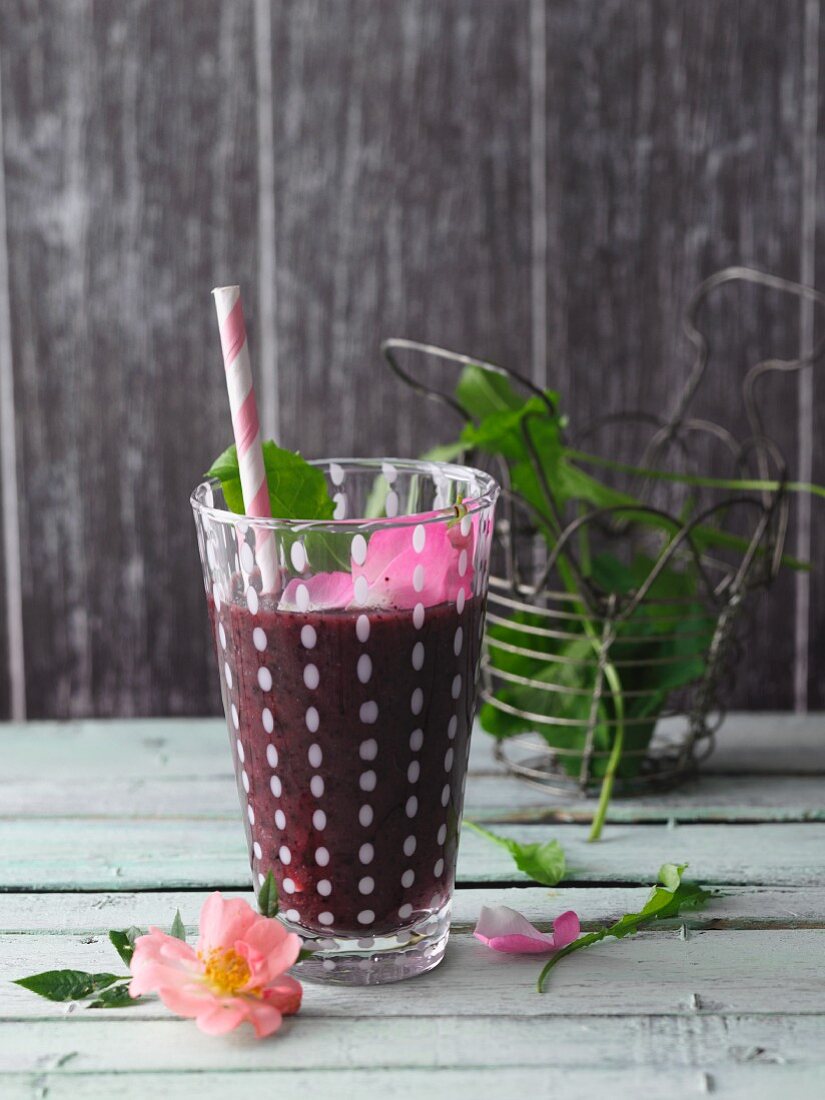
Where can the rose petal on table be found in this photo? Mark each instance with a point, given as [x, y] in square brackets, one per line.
[505, 929]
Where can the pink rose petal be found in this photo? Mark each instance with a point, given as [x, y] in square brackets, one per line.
[399, 572]
[505, 929]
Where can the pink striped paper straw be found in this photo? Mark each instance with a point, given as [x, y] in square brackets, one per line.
[245, 423]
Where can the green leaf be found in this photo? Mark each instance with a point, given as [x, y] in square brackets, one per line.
[268, 896]
[667, 899]
[543, 863]
[296, 489]
[67, 985]
[124, 942]
[116, 996]
[483, 392]
[446, 452]
[177, 930]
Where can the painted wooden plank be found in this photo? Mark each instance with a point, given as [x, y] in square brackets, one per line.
[482, 1083]
[652, 973]
[402, 194]
[670, 155]
[130, 164]
[738, 907]
[144, 748]
[115, 854]
[77, 1047]
[488, 798]
[815, 410]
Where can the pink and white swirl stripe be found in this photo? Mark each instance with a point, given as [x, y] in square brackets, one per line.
[245, 423]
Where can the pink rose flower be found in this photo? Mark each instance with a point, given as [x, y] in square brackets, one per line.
[236, 972]
[427, 563]
[505, 929]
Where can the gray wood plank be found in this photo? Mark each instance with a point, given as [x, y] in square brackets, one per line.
[675, 150]
[82, 914]
[816, 621]
[748, 744]
[8, 455]
[652, 973]
[5, 683]
[402, 182]
[743, 1082]
[116, 854]
[179, 769]
[490, 798]
[129, 146]
[316, 1043]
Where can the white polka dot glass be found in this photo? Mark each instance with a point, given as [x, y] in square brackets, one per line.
[349, 685]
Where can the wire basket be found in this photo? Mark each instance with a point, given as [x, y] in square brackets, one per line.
[566, 665]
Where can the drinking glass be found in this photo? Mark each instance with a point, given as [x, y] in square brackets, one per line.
[348, 652]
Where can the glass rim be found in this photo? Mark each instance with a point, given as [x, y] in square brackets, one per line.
[488, 486]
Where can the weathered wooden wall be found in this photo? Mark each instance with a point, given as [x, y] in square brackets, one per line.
[540, 182]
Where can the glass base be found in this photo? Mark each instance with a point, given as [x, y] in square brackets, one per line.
[375, 960]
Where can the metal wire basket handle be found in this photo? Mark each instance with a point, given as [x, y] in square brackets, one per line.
[756, 564]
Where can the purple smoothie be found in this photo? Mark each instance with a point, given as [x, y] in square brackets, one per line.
[351, 741]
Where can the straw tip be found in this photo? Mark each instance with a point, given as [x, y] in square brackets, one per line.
[221, 290]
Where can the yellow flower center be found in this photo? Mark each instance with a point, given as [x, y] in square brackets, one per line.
[225, 970]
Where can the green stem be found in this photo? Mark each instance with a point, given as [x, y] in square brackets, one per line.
[746, 484]
[612, 677]
[614, 682]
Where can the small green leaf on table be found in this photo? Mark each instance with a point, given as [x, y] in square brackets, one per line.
[116, 996]
[543, 863]
[67, 985]
[268, 896]
[124, 942]
[177, 930]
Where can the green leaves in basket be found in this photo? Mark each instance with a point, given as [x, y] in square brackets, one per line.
[668, 899]
[543, 863]
[658, 649]
[296, 489]
[268, 896]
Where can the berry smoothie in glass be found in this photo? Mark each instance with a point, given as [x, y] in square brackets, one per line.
[349, 686]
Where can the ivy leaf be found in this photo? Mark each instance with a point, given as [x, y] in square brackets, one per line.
[124, 942]
[268, 896]
[543, 863]
[670, 897]
[296, 489]
[116, 996]
[67, 985]
[177, 930]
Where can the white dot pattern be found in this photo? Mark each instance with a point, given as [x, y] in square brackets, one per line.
[311, 676]
[358, 549]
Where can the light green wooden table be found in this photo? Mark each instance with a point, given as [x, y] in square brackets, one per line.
[105, 824]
